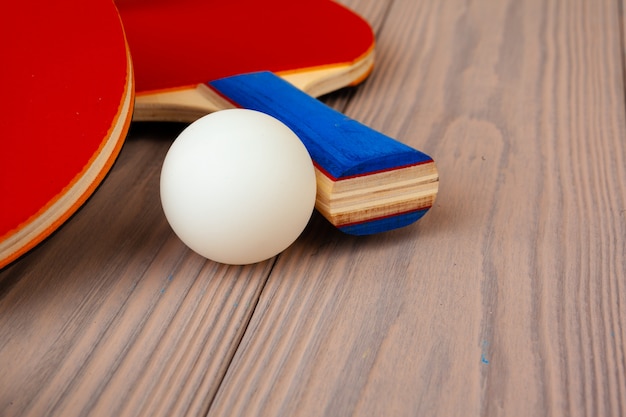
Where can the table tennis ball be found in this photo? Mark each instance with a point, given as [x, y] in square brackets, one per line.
[238, 186]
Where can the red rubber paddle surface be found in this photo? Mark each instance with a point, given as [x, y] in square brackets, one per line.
[179, 43]
[67, 98]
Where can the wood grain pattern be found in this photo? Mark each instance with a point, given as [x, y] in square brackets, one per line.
[507, 298]
[113, 315]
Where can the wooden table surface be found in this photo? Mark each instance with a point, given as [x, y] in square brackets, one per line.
[508, 298]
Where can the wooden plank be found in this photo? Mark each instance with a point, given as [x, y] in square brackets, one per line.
[508, 298]
[113, 315]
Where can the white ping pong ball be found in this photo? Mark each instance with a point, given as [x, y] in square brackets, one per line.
[238, 186]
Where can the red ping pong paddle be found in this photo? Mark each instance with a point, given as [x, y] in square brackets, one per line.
[195, 56]
[179, 45]
[68, 97]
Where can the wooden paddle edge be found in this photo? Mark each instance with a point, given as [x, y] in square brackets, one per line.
[39, 226]
[364, 204]
[188, 103]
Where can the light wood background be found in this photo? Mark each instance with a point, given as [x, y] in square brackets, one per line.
[507, 299]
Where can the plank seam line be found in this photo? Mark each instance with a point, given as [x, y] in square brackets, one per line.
[237, 343]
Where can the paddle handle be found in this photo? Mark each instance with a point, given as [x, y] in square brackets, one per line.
[338, 145]
[367, 181]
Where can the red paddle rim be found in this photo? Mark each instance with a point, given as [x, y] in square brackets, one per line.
[72, 94]
[287, 73]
